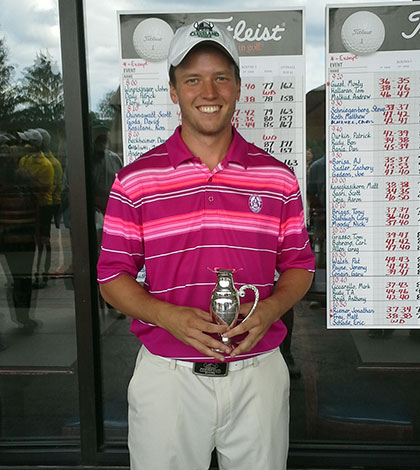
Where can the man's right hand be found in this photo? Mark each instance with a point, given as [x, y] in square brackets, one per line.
[193, 326]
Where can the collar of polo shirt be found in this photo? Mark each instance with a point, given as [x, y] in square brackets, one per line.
[178, 152]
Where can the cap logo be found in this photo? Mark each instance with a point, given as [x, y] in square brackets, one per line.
[255, 203]
[204, 29]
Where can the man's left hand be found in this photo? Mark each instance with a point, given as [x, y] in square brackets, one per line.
[289, 289]
[256, 326]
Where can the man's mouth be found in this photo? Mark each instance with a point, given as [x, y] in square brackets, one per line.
[209, 109]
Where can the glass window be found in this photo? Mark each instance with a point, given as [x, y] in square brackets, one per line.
[358, 384]
[38, 357]
[352, 385]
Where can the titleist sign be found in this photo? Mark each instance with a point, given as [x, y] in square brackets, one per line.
[413, 17]
[243, 33]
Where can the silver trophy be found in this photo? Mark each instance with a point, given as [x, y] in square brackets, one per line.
[224, 304]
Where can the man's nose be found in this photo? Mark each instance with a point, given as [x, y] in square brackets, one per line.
[209, 89]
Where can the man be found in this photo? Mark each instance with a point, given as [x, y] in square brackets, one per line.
[316, 192]
[17, 234]
[58, 175]
[105, 164]
[205, 199]
[41, 172]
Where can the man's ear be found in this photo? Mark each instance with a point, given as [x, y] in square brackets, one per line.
[172, 93]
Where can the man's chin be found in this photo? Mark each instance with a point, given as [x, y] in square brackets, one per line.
[214, 129]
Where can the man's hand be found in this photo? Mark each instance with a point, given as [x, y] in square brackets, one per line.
[193, 326]
[290, 288]
[256, 326]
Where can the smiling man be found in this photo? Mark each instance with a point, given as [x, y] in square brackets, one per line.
[205, 198]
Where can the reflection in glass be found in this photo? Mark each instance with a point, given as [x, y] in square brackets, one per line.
[336, 375]
[357, 385]
[18, 219]
[38, 381]
[119, 346]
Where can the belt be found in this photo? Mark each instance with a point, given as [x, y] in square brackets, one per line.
[217, 369]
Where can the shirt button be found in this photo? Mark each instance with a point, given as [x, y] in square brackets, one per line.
[210, 179]
[211, 198]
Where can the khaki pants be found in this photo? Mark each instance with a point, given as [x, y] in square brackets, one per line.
[177, 418]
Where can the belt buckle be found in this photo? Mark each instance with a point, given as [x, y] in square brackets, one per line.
[211, 369]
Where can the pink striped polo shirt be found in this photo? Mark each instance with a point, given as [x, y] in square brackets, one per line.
[168, 212]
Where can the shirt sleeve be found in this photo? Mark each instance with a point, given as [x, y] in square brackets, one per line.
[122, 249]
[293, 249]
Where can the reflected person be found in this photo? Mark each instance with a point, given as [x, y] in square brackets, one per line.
[316, 192]
[17, 234]
[41, 173]
[58, 176]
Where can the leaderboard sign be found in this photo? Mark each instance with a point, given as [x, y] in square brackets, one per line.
[373, 171]
[272, 107]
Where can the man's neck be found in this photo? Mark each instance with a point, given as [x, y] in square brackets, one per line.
[210, 149]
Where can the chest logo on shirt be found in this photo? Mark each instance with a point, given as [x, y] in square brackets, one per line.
[255, 203]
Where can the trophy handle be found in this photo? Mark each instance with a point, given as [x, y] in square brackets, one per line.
[241, 293]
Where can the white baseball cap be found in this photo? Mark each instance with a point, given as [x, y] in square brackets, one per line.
[46, 138]
[187, 37]
[32, 136]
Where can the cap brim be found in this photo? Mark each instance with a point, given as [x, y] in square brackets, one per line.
[212, 42]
